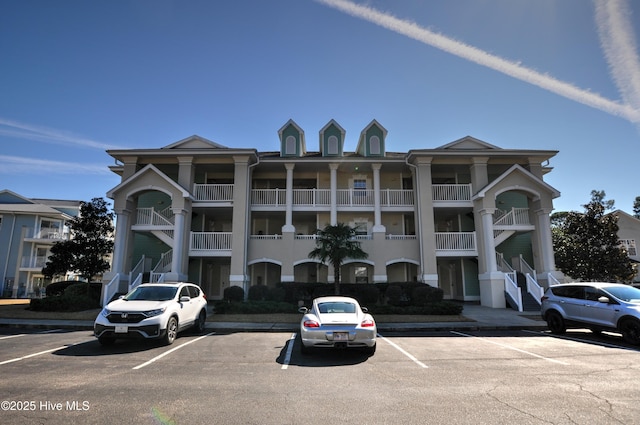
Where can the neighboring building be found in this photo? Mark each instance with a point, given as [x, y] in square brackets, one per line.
[629, 234]
[456, 217]
[28, 230]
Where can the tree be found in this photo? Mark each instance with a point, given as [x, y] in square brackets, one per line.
[91, 242]
[586, 244]
[636, 207]
[334, 244]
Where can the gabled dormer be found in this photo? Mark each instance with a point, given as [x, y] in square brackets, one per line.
[292, 142]
[194, 142]
[372, 140]
[332, 139]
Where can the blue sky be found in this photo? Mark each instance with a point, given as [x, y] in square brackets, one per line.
[79, 77]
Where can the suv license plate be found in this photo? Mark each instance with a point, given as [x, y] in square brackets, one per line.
[121, 329]
[341, 336]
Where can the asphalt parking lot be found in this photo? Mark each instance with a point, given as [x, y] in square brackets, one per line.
[443, 377]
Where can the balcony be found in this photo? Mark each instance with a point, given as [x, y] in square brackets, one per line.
[210, 244]
[44, 234]
[455, 244]
[213, 192]
[321, 198]
[452, 195]
[33, 263]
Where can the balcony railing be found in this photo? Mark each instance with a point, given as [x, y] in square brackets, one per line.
[456, 241]
[36, 262]
[322, 197]
[213, 192]
[451, 192]
[50, 233]
[512, 217]
[210, 241]
[152, 217]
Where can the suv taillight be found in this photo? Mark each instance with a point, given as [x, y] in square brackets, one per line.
[544, 298]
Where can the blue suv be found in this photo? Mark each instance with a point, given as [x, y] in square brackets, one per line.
[597, 306]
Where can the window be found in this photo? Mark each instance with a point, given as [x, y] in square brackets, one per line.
[332, 145]
[290, 145]
[361, 275]
[374, 145]
[630, 246]
[359, 184]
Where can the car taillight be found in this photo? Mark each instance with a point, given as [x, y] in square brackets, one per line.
[544, 298]
[311, 324]
[367, 323]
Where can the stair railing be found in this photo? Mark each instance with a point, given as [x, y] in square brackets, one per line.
[110, 289]
[512, 290]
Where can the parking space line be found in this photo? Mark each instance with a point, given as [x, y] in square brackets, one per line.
[17, 359]
[287, 357]
[397, 347]
[588, 341]
[12, 336]
[511, 348]
[140, 366]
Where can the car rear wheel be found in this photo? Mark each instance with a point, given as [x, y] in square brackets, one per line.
[371, 350]
[630, 329]
[172, 331]
[304, 349]
[555, 322]
[198, 326]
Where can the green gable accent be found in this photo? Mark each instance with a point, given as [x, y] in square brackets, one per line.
[291, 140]
[372, 140]
[335, 134]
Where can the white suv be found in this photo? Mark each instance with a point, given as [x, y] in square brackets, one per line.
[153, 311]
[595, 305]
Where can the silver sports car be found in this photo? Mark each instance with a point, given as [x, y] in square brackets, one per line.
[337, 322]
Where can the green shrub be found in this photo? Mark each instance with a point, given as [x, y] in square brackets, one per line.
[257, 293]
[234, 293]
[77, 296]
[425, 294]
[368, 295]
[254, 307]
[276, 294]
[394, 295]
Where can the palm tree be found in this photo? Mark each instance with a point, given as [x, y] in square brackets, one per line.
[334, 244]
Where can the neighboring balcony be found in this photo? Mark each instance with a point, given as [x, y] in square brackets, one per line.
[33, 263]
[45, 235]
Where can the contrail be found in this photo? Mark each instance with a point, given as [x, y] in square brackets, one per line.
[17, 165]
[473, 54]
[42, 134]
[619, 47]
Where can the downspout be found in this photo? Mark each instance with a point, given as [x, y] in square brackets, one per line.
[419, 222]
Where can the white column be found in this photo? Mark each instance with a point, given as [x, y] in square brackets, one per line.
[377, 225]
[543, 226]
[120, 241]
[288, 225]
[334, 193]
[178, 242]
[488, 241]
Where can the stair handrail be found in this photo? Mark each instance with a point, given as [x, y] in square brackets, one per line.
[163, 266]
[525, 268]
[552, 280]
[512, 289]
[110, 289]
[503, 265]
[534, 289]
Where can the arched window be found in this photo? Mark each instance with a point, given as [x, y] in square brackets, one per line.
[290, 145]
[332, 145]
[374, 145]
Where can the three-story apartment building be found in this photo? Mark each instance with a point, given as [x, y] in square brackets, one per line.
[28, 230]
[465, 217]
